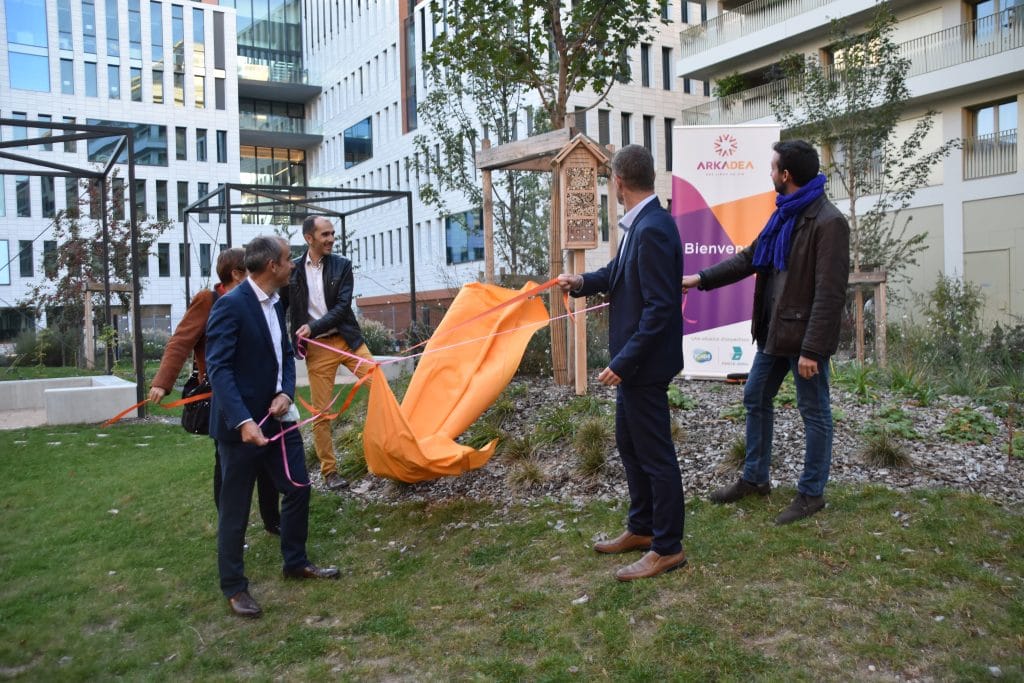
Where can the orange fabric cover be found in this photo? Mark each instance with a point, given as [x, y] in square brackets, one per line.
[451, 387]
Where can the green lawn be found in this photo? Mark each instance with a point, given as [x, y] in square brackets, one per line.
[108, 571]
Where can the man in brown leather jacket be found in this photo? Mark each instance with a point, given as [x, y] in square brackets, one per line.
[801, 259]
[319, 303]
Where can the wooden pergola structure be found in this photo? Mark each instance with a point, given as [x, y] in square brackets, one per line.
[565, 154]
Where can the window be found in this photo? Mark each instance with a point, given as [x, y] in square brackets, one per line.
[134, 30]
[645, 65]
[140, 199]
[161, 200]
[45, 132]
[67, 77]
[91, 89]
[184, 260]
[47, 192]
[669, 124]
[117, 192]
[5, 258]
[627, 129]
[25, 259]
[604, 135]
[89, 26]
[179, 89]
[50, 258]
[158, 86]
[114, 81]
[218, 93]
[649, 133]
[581, 119]
[71, 196]
[666, 68]
[156, 32]
[222, 147]
[204, 189]
[464, 237]
[64, 33]
[358, 143]
[144, 262]
[994, 119]
[150, 144]
[604, 217]
[113, 46]
[205, 260]
[182, 199]
[178, 35]
[199, 91]
[200, 144]
[198, 38]
[29, 72]
[23, 192]
[180, 144]
[163, 259]
[135, 73]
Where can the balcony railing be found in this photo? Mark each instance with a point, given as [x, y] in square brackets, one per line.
[869, 183]
[989, 155]
[940, 50]
[742, 21]
[256, 68]
[274, 124]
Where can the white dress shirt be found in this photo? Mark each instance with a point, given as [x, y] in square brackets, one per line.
[267, 302]
[317, 305]
[627, 220]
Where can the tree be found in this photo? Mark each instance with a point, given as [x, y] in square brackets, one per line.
[851, 109]
[83, 257]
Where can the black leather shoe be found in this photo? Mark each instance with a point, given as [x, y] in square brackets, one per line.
[741, 489]
[243, 605]
[311, 571]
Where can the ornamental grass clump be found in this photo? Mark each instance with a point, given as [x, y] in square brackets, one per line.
[591, 442]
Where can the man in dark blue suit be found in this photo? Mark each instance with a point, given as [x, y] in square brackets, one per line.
[252, 373]
[645, 329]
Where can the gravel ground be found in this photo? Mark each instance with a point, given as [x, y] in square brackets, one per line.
[704, 440]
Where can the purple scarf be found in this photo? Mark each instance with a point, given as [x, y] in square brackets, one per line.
[773, 243]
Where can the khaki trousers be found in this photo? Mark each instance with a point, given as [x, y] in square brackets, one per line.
[322, 366]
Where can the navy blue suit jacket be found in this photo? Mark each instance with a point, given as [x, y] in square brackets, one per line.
[241, 363]
[644, 283]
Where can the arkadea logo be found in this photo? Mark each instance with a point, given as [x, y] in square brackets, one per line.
[726, 145]
[702, 355]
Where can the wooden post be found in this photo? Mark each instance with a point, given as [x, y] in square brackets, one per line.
[488, 222]
[876, 280]
[579, 266]
[559, 330]
[858, 308]
[880, 325]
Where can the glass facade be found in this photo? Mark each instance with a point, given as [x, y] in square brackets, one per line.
[27, 45]
[134, 29]
[113, 39]
[464, 237]
[150, 144]
[156, 32]
[89, 26]
[200, 144]
[91, 87]
[136, 76]
[180, 142]
[23, 194]
[67, 77]
[48, 194]
[29, 72]
[114, 81]
[272, 167]
[358, 143]
[269, 39]
[64, 31]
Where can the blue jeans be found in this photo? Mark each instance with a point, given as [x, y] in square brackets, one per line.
[812, 398]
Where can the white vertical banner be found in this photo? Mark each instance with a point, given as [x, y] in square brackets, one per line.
[722, 196]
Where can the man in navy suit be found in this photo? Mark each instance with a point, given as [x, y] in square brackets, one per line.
[252, 373]
[645, 337]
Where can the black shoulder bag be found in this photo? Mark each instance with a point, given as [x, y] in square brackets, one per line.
[195, 416]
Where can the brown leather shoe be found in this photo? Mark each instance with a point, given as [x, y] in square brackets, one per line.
[650, 565]
[243, 605]
[311, 571]
[335, 481]
[625, 542]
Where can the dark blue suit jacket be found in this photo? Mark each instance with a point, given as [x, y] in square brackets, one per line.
[644, 283]
[241, 363]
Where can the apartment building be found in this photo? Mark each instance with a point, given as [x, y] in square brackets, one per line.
[164, 68]
[967, 64]
[367, 56]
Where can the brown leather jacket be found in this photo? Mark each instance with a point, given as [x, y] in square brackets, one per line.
[807, 314]
[189, 338]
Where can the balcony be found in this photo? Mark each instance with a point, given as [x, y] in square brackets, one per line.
[268, 130]
[973, 40]
[990, 155]
[741, 22]
[262, 76]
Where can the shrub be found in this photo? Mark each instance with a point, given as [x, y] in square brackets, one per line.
[519, 447]
[591, 442]
[968, 425]
[892, 420]
[678, 400]
[378, 338]
[882, 448]
[525, 474]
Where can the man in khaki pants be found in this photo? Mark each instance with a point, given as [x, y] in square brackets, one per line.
[320, 308]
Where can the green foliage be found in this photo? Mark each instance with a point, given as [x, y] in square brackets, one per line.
[787, 393]
[525, 473]
[519, 447]
[557, 424]
[735, 412]
[591, 442]
[913, 382]
[860, 380]
[729, 85]
[968, 425]
[1006, 345]
[377, 337]
[852, 108]
[893, 421]
[882, 448]
[481, 433]
[952, 312]
[678, 400]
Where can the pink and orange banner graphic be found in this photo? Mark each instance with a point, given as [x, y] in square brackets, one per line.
[722, 196]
